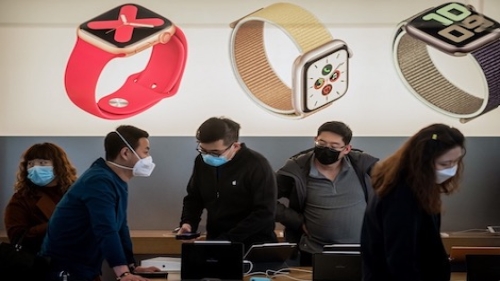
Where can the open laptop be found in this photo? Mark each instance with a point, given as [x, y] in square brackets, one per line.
[208, 260]
[269, 256]
[343, 248]
[338, 264]
[483, 267]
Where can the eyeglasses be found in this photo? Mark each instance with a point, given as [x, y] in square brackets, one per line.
[215, 153]
[332, 147]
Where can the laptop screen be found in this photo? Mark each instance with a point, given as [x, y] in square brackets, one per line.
[270, 252]
[483, 267]
[212, 260]
[329, 266]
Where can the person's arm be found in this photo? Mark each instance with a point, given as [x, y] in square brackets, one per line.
[264, 196]
[284, 214]
[192, 205]
[401, 224]
[127, 244]
[18, 219]
[101, 201]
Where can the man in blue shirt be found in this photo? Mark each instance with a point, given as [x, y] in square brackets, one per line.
[90, 222]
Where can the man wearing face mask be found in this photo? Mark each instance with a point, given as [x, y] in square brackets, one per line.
[235, 184]
[90, 222]
[327, 188]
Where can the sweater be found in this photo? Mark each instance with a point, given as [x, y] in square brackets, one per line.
[90, 224]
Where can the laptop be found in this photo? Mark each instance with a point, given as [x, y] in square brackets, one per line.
[334, 266]
[269, 256]
[483, 267]
[209, 260]
[165, 264]
[343, 248]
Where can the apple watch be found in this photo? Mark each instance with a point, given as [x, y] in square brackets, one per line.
[458, 30]
[120, 32]
[319, 74]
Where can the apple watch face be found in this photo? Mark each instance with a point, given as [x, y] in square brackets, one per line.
[325, 80]
[126, 25]
[454, 28]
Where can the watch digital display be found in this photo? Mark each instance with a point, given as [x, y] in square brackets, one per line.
[455, 25]
[126, 25]
[325, 79]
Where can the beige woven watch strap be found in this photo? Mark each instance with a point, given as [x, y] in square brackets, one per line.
[420, 73]
[249, 55]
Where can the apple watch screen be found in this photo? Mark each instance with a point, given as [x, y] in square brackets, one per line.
[454, 24]
[325, 79]
[126, 25]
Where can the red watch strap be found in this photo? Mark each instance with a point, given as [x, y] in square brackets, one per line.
[159, 79]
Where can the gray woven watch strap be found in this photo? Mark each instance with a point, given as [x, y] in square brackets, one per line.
[419, 71]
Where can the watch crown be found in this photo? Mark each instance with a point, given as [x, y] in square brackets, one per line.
[164, 37]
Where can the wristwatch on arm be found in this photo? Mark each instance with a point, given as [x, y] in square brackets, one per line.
[319, 74]
[120, 32]
[458, 30]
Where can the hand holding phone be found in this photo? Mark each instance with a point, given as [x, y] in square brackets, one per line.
[187, 236]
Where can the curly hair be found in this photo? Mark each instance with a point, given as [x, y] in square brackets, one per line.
[414, 165]
[64, 171]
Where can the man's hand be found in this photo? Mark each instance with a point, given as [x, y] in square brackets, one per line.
[304, 228]
[185, 228]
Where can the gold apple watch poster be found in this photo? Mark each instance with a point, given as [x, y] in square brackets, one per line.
[278, 68]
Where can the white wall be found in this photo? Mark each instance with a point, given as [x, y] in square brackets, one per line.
[37, 38]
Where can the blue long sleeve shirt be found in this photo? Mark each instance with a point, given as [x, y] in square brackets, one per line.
[90, 224]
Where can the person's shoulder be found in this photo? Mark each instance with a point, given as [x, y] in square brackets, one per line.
[19, 196]
[93, 177]
[360, 154]
[253, 155]
[401, 194]
[299, 160]
[361, 158]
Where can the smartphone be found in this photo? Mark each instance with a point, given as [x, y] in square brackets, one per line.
[187, 236]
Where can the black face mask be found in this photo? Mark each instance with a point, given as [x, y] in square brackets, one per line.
[325, 155]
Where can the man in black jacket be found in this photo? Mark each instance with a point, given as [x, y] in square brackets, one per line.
[235, 184]
[327, 188]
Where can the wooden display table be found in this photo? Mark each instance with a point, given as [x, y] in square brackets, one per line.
[477, 239]
[162, 242]
[300, 275]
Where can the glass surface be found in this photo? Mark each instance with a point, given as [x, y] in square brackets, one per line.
[325, 79]
[126, 25]
[454, 24]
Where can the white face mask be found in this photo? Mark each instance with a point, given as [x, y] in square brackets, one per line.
[443, 175]
[142, 168]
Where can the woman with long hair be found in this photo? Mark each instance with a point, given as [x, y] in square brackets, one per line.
[400, 238]
[44, 175]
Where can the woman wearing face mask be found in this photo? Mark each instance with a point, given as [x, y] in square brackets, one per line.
[400, 239]
[44, 175]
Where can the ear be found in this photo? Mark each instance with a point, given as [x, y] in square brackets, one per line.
[347, 149]
[237, 144]
[124, 152]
